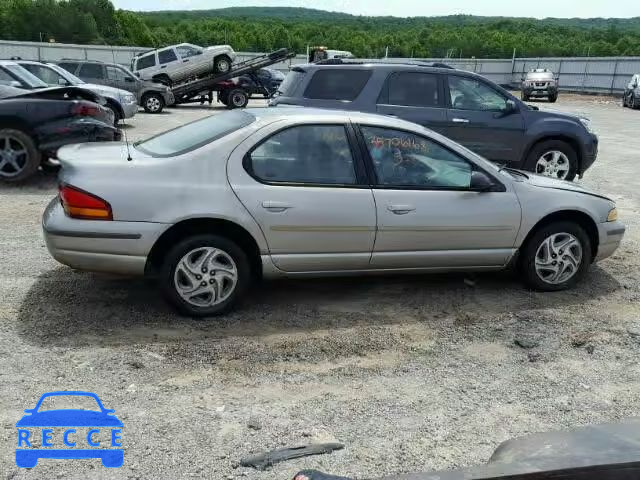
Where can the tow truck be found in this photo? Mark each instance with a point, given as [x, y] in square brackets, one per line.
[229, 93]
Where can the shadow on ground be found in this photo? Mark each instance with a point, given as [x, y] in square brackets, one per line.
[69, 308]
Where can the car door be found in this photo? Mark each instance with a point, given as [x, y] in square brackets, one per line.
[428, 215]
[417, 97]
[480, 118]
[118, 78]
[146, 66]
[306, 189]
[93, 73]
[169, 64]
[192, 60]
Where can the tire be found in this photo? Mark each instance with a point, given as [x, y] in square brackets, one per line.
[524, 97]
[116, 114]
[19, 156]
[163, 79]
[553, 98]
[535, 251]
[624, 100]
[152, 102]
[237, 98]
[173, 275]
[633, 102]
[222, 64]
[546, 147]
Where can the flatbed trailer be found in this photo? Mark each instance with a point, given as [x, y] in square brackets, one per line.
[230, 94]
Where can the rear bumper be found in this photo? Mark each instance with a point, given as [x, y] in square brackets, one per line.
[610, 235]
[99, 246]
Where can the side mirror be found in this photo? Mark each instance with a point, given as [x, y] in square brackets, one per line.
[63, 82]
[480, 182]
[15, 84]
[510, 106]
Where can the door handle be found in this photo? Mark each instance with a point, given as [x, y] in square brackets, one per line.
[276, 207]
[163, 66]
[460, 120]
[185, 60]
[400, 209]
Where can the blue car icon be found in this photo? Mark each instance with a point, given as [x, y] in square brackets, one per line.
[97, 420]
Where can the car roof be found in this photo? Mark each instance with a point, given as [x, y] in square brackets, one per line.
[377, 65]
[9, 62]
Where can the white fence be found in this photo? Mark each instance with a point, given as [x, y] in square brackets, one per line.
[591, 74]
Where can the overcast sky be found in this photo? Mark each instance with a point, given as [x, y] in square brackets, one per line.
[411, 8]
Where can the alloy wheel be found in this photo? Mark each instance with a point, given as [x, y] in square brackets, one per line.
[558, 258]
[205, 277]
[13, 156]
[223, 66]
[153, 104]
[554, 164]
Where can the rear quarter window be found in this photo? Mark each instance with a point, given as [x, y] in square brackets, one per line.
[146, 62]
[337, 84]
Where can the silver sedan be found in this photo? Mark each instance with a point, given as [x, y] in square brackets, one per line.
[213, 205]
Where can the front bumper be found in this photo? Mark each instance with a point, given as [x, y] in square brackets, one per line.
[540, 92]
[610, 235]
[130, 109]
[96, 245]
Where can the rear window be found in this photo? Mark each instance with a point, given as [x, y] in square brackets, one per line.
[91, 70]
[337, 84]
[146, 62]
[290, 82]
[195, 134]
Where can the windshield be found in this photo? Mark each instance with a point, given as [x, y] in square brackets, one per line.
[540, 76]
[195, 134]
[25, 76]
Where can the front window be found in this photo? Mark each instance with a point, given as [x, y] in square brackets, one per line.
[195, 134]
[186, 51]
[404, 159]
[412, 90]
[167, 56]
[473, 94]
[314, 154]
[116, 74]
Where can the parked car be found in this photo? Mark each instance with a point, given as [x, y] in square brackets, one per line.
[463, 106]
[539, 82]
[264, 82]
[631, 95]
[13, 75]
[122, 103]
[153, 97]
[276, 196]
[178, 63]
[34, 124]
[318, 54]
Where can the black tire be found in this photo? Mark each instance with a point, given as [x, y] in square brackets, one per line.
[524, 97]
[528, 252]
[544, 146]
[221, 64]
[237, 98]
[175, 255]
[163, 79]
[553, 98]
[116, 113]
[153, 102]
[27, 162]
[633, 102]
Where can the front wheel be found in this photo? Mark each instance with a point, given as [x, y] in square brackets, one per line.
[116, 114]
[237, 98]
[153, 103]
[19, 156]
[556, 257]
[553, 158]
[553, 98]
[205, 275]
[222, 64]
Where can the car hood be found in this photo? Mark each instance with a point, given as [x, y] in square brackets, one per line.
[69, 418]
[105, 90]
[542, 181]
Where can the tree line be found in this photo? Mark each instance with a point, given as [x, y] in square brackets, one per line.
[262, 29]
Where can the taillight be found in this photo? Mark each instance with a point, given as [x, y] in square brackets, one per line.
[84, 205]
[85, 109]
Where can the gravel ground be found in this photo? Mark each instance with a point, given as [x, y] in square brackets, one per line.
[410, 373]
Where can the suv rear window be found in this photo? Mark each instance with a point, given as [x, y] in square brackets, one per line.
[146, 62]
[195, 134]
[91, 70]
[337, 84]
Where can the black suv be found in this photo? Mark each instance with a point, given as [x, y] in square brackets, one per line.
[463, 106]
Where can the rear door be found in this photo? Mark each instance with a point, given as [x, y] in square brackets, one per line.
[335, 87]
[477, 118]
[146, 66]
[192, 61]
[305, 186]
[169, 64]
[414, 96]
[93, 73]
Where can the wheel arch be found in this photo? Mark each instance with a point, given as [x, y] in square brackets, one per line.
[204, 225]
[569, 139]
[116, 105]
[16, 123]
[581, 218]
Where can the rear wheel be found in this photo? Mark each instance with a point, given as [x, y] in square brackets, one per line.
[153, 103]
[19, 156]
[237, 98]
[205, 275]
[553, 158]
[556, 257]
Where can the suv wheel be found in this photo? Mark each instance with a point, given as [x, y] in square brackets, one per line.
[153, 102]
[553, 158]
[205, 275]
[222, 64]
[19, 156]
[556, 257]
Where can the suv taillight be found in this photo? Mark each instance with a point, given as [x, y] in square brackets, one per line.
[85, 109]
[83, 205]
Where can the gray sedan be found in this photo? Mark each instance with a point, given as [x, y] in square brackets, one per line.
[289, 192]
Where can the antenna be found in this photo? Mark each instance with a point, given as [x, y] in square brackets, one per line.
[124, 132]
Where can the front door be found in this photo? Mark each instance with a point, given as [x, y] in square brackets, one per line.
[416, 97]
[478, 118]
[306, 190]
[427, 215]
[118, 78]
